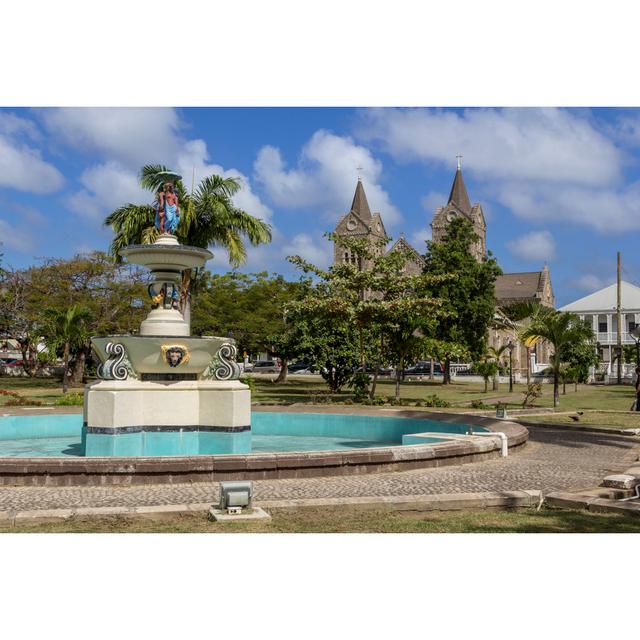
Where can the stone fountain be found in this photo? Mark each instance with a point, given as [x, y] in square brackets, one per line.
[164, 392]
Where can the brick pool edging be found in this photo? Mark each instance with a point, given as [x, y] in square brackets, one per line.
[259, 466]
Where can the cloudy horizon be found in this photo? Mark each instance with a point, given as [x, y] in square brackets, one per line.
[558, 186]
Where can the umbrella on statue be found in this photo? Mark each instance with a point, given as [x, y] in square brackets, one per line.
[168, 176]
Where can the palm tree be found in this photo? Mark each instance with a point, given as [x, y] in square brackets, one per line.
[208, 217]
[559, 329]
[495, 354]
[67, 329]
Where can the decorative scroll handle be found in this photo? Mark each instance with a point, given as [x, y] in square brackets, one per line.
[114, 367]
[227, 368]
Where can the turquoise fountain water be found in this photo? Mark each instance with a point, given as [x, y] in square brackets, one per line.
[62, 435]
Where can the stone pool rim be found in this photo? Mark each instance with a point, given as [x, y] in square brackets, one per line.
[94, 471]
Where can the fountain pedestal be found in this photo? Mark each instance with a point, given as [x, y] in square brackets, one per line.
[163, 392]
[135, 418]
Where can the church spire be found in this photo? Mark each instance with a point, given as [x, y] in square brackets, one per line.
[360, 206]
[459, 195]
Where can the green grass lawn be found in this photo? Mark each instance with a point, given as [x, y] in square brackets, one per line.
[348, 520]
[303, 389]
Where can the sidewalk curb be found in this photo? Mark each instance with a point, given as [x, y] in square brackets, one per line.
[437, 502]
[564, 500]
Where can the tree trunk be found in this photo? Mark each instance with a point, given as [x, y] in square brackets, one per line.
[65, 372]
[362, 362]
[496, 381]
[399, 371]
[431, 372]
[486, 385]
[372, 391]
[29, 362]
[556, 390]
[564, 387]
[528, 366]
[282, 376]
[446, 371]
[575, 390]
[77, 373]
[374, 382]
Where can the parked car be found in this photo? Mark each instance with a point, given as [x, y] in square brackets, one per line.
[423, 368]
[266, 366]
[383, 371]
[301, 367]
[10, 362]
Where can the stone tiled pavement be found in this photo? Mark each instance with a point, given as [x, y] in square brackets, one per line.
[552, 460]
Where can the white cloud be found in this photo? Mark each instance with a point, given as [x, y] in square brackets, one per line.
[316, 249]
[544, 164]
[591, 282]
[132, 136]
[553, 145]
[13, 125]
[129, 138]
[16, 239]
[605, 210]
[433, 200]
[193, 156]
[22, 168]
[418, 239]
[107, 186]
[534, 246]
[325, 177]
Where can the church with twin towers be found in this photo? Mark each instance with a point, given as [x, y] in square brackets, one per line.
[530, 286]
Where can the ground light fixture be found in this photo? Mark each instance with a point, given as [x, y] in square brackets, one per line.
[235, 495]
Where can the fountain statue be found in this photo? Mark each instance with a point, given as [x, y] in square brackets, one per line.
[164, 392]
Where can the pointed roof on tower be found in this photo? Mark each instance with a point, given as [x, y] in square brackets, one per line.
[360, 206]
[459, 195]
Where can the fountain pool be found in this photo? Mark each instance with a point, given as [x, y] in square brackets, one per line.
[61, 435]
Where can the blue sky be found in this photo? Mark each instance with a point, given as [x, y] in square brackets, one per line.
[556, 185]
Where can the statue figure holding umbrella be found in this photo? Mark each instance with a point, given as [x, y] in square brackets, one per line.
[168, 207]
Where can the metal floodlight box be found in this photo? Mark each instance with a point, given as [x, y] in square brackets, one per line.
[235, 494]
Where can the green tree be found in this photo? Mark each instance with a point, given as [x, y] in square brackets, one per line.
[496, 354]
[66, 330]
[563, 331]
[579, 357]
[487, 369]
[113, 293]
[374, 301]
[468, 297]
[208, 218]
[249, 308]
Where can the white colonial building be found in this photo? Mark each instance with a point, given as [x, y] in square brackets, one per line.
[599, 309]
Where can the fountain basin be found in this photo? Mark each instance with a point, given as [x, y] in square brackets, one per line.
[147, 354]
[298, 442]
[166, 255]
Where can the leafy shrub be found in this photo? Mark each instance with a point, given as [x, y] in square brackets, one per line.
[16, 400]
[377, 401]
[533, 392]
[70, 400]
[360, 385]
[435, 401]
[250, 382]
[479, 404]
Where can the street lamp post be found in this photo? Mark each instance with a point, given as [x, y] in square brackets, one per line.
[635, 332]
[511, 346]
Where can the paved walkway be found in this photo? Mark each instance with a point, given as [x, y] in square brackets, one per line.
[553, 460]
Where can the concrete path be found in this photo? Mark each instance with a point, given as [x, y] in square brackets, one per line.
[553, 460]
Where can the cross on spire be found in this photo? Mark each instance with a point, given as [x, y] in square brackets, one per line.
[459, 157]
[359, 176]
